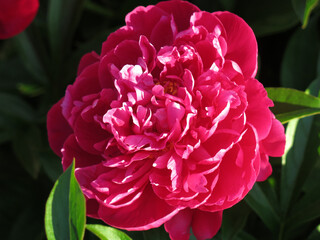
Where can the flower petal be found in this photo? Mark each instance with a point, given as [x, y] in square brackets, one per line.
[147, 212]
[181, 11]
[71, 150]
[206, 224]
[275, 142]
[58, 128]
[179, 225]
[241, 42]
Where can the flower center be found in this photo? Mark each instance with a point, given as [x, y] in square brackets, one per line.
[170, 87]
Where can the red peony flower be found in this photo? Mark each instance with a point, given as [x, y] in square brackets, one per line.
[16, 16]
[168, 125]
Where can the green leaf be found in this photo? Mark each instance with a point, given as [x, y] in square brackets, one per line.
[65, 209]
[261, 205]
[299, 65]
[301, 113]
[303, 9]
[26, 146]
[310, 5]
[107, 233]
[299, 158]
[13, 106]
[296, 142]
[307, 208]
[234, 220]
[291, 104]
[30, 90]
[294, 97]
[63, 17]
[267, 17]
[33, 55]
[299, 7]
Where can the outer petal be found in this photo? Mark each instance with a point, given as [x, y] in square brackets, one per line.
[71, 150]
[275, 143]
[86, 83]
[241, 42]
[143, 19]
[124, 33]
[258, 113]
[57, 127]
[147, 212]
[238, 172]
[206, 224]
[87, 60]
[178, 227]
[265, 168]
[181, 11]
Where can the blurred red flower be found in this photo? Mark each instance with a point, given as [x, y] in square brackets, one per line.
[16, 16]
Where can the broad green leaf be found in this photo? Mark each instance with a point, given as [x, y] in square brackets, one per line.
[107, 233]
[269, 188]
[26, 146]
[299, 157]
[261, 205]
[297, 134]
[307, 209]
[33, 55]
[63, 17]
[234, 220]
[299, 7]
[65, 209]
[13, 106]
[294, 97]
[267, 17]
[310, 5]
[299, 64]
[301, 113]
[291, 104]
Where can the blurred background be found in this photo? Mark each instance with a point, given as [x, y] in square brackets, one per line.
[38, 64]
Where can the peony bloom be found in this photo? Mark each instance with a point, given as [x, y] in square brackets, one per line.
[16, 16]
[168, 124]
